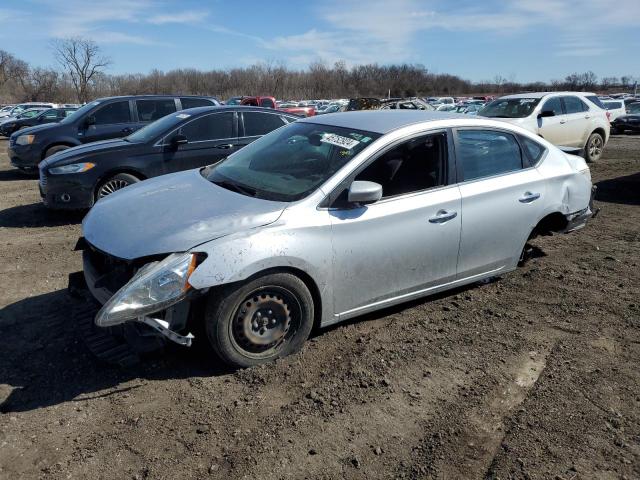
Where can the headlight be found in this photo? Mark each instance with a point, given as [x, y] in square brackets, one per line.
[25, 139]
[72, 168]
[155, 287]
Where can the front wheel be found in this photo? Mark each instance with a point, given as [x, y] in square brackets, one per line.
[260, 320]
[115, 183]
[594, 148]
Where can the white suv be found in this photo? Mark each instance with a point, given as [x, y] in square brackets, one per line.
[570, 119]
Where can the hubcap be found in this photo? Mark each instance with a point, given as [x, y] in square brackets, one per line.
[595, 147]
[111, 186]
[263, 321]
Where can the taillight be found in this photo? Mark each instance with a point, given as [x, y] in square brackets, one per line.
[608, 116]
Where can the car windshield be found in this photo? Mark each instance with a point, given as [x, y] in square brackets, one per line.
[29, 114]
[509, 108]
[80, 112]
[633, 108]
[289, 163]
[158, 128]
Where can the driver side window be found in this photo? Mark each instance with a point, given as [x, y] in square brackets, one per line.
[412, 166]
[554, 105]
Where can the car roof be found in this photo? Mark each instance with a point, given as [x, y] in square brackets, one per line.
[381, 121]
[543, 94]
[234, 108]
[135, 97]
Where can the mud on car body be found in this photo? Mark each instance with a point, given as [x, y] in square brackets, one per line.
[323, 220]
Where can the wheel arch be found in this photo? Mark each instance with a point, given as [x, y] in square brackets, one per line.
[306, 279]
[551, 223]
[116, 171]
[63, 143]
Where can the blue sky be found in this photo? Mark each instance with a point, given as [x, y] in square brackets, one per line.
[521, 40]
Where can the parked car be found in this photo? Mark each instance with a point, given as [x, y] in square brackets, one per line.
[445, 107]
[80, 176]
[412, 103]
[572, 119]
[629, 121]
[267, 102]
[234, 101]
[39, 117]
[32, 112]
[616, 108]
[21, 107]
[333, 108]
[102, 119]
[308, 111]
[320, 221]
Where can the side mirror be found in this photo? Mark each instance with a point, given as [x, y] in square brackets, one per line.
[364, 192]
[547, 113]
[178, 140]
[90, 120]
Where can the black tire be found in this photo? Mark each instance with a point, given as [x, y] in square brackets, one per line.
[280, 301]
[114, 183]
[55, 149]
[594, 147]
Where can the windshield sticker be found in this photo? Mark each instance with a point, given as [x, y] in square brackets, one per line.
[183, 115]
[339, 141]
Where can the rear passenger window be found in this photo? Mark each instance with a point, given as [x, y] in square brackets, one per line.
[574, 105]
[410, 167]
[210, 127]
[534, 149]
[554, 105]
[195, 102]
[256, 123]
[484, 153]
[116, 112]
[150, 110]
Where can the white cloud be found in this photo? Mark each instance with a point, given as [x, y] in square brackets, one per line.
[385, 31]
[189, 16]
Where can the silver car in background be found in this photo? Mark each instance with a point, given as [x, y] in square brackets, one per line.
[323, 220]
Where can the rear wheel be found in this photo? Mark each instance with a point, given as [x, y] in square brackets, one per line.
[260, 320]
[594, 148]
[115, 183]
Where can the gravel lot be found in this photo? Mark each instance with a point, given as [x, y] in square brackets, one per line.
[532, 376]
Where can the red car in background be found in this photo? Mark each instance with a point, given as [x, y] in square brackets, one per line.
[270, 102]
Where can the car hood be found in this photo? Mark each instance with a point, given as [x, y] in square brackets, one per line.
[38, 128]
[172, 213]
[93, 148]
[629, 116]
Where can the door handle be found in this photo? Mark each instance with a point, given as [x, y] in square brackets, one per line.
[562, 122]
[225, 146]
[127, 130]
[529, 197]
[587, 117]
[443, 216]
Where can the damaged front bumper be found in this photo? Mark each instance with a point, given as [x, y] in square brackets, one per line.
[103, 276]
[577, 220]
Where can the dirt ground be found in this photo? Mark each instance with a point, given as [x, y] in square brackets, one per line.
[532, 376]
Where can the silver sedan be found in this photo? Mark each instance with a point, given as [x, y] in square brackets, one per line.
[323, 220]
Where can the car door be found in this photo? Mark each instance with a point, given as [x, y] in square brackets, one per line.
[502, 200]
[112, 120]
[553, 128]
[255, 124]
[578, 121]
[210, 138]
[408, 241]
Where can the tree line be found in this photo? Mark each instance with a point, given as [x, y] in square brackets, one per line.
[81, 75]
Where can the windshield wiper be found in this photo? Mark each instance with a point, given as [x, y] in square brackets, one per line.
[234, 187]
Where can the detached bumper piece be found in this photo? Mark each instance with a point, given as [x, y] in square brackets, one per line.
[162, 326]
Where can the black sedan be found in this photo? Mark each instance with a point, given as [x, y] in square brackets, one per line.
[8, 125]
[78, 177]
[631, 121]
[50, 115]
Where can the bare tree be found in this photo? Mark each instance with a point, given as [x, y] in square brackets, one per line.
[82, 59]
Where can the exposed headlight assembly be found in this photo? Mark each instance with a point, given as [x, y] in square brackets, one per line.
[25, 139]
[72, 168]
[155, 287]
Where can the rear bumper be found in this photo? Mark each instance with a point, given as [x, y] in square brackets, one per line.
[577, 220]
